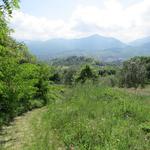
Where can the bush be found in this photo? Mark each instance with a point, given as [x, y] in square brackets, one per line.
[69, 76]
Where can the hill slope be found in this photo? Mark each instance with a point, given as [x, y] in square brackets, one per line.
[140, 42]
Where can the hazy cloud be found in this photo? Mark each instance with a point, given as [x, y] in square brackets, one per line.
[125, 23]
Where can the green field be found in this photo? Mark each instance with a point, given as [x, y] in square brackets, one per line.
[88, 117]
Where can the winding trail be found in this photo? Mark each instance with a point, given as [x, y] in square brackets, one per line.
[19, 132]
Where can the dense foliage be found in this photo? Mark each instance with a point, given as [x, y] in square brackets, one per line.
[23, 82]
[85, 74]
[135, 72]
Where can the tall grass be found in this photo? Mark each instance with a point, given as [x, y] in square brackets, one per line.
[94, 118]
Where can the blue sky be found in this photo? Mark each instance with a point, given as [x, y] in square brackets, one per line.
[42, 20]
[56, 9]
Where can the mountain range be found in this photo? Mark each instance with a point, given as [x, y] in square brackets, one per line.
[104, 48]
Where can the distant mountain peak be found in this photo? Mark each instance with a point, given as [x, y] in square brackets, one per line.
[106, 48]
[91, 45]
[98, 36]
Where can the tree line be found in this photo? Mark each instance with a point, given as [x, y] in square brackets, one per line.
[134, 72]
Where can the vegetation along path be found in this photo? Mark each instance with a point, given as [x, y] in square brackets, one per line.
[90, 117]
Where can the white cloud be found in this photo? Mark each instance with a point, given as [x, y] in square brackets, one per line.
[111, 20]
[32, 28]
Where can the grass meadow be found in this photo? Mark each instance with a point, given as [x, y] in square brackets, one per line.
[92, 117]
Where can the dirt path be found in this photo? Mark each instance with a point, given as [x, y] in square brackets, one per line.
[19, 132]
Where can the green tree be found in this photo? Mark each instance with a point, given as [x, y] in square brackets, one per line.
[133, 74]
[24, 83]
[86, 73]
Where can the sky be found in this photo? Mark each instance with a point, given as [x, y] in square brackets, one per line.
[125, 20]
